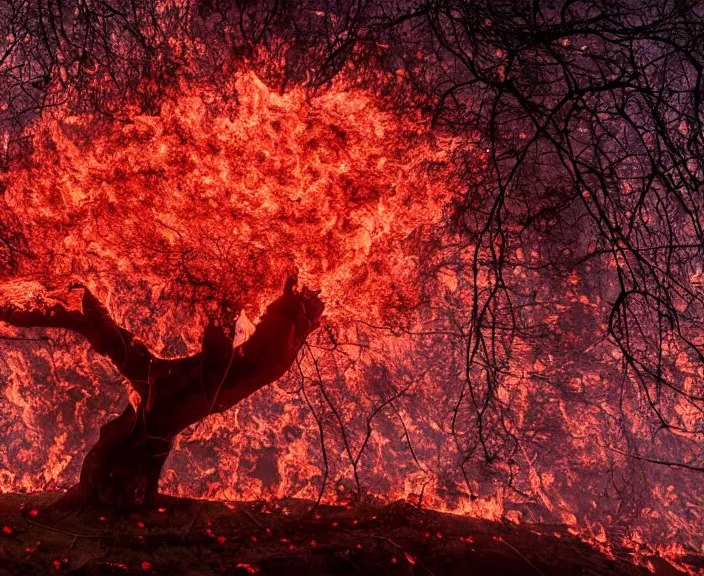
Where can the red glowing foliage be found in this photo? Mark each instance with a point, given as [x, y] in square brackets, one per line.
[332, 188]
[328, 187]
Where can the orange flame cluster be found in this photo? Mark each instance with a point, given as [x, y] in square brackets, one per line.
[205, 204]
[200, 207]
[219, 195]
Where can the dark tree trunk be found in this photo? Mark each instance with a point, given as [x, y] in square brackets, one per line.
[122, 470]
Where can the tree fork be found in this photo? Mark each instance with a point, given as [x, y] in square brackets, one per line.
[122, 470]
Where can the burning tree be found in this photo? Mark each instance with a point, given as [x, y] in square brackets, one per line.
[195, 212]
[122, 470]
[507, 192]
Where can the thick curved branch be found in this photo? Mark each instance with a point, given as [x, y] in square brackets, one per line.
[93, 322]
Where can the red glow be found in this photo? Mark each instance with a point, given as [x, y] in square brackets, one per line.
[200, 207]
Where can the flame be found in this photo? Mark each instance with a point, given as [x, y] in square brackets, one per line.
[202, 205]
[232, 193]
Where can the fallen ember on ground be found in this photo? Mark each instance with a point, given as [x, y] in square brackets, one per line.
[448, 253]
[285, 538]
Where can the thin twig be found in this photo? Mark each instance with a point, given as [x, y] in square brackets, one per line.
[193, 523]
[390, 541]
[250, 516]
[500, 539]
[66, 532]
[321, 432]
[348, 449]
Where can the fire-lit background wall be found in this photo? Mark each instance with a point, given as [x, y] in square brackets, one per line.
[506, 232]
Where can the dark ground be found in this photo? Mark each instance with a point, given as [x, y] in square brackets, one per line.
[189, 538]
